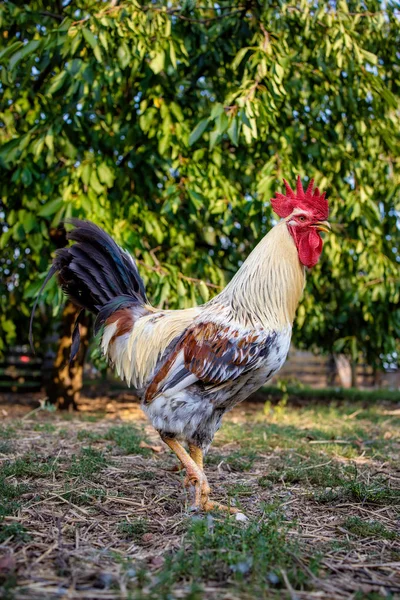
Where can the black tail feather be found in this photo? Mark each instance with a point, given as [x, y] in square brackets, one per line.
[93, 272]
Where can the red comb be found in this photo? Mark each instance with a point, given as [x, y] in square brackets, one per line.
[310, 200]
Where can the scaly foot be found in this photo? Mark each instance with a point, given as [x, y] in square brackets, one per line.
[202, 493]
[195, 477]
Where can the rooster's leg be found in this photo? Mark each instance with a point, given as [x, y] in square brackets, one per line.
[197, 454]
[195, 476]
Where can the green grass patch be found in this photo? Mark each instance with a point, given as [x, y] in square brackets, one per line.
[9, 497]
[7, 432]
[13, 530]
[28, 466]
[88, 463]
[85, 496]
[134, 529]
[376, 492]
[366, 529]
[6, 447]
[127, 438]
[45, 427]
[239, 460]
[332, 393]
[334, 429]
[313, 470]
[224, 552]
[93, 418]
[240, 490]
[88, 435]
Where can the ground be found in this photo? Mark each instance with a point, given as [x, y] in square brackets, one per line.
[91, 508]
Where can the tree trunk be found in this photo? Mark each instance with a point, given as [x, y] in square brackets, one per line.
[344, 370]
[66, 381]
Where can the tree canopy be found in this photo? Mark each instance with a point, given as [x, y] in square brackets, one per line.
[171, 124]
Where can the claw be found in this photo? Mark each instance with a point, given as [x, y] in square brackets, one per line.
[195, 477]
[202, 493]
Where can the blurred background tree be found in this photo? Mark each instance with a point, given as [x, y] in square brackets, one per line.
[172, 124]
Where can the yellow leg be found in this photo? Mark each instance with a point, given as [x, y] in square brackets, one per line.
[197, 454]
[195, 476]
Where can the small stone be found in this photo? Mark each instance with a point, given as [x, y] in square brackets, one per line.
[131, 573]
[241, 517]
[243, 567]
[273, 578]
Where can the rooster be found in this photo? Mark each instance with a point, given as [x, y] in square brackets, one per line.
[189, 367]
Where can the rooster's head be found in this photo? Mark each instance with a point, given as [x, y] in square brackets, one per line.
[305, 213]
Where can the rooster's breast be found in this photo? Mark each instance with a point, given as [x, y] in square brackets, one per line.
[194, 414]
[241, 388]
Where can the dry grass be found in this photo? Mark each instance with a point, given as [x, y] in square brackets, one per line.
[91, 508]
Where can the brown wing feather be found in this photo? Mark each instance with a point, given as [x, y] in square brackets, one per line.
[213, 353]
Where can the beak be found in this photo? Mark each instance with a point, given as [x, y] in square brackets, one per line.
[323, 226]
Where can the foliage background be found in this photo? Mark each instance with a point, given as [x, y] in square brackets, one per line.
[171, 124]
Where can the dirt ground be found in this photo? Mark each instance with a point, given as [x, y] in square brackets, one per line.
[91, 506]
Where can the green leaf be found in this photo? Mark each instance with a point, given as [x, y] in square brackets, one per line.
[27, 50]
[180, 288]
[239, 57]
[97, 53]
[26, 177]
[233, 131]
[172, 54]
[158, 62]
[198, 131]
[165, 292]
[214, 137]
[217, 111]
[28, 221]
[49, 140]
[279, 70]
[89, 37]
[85, 173]
[93, 43]
[95, 183]
[10, 152]
[50, 208]
[371, 58]
[204, 291]
[9, 49]
[123, 55]
[57, 82]
[4, 238]
[105, 174]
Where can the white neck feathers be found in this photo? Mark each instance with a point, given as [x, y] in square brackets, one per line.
[267, 288]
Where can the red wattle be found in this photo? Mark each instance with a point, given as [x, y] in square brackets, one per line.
[309, 247]
[308, 243]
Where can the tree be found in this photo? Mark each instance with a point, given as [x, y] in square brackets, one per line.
[171, 125]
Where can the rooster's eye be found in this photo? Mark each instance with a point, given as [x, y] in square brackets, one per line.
[302, 219]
